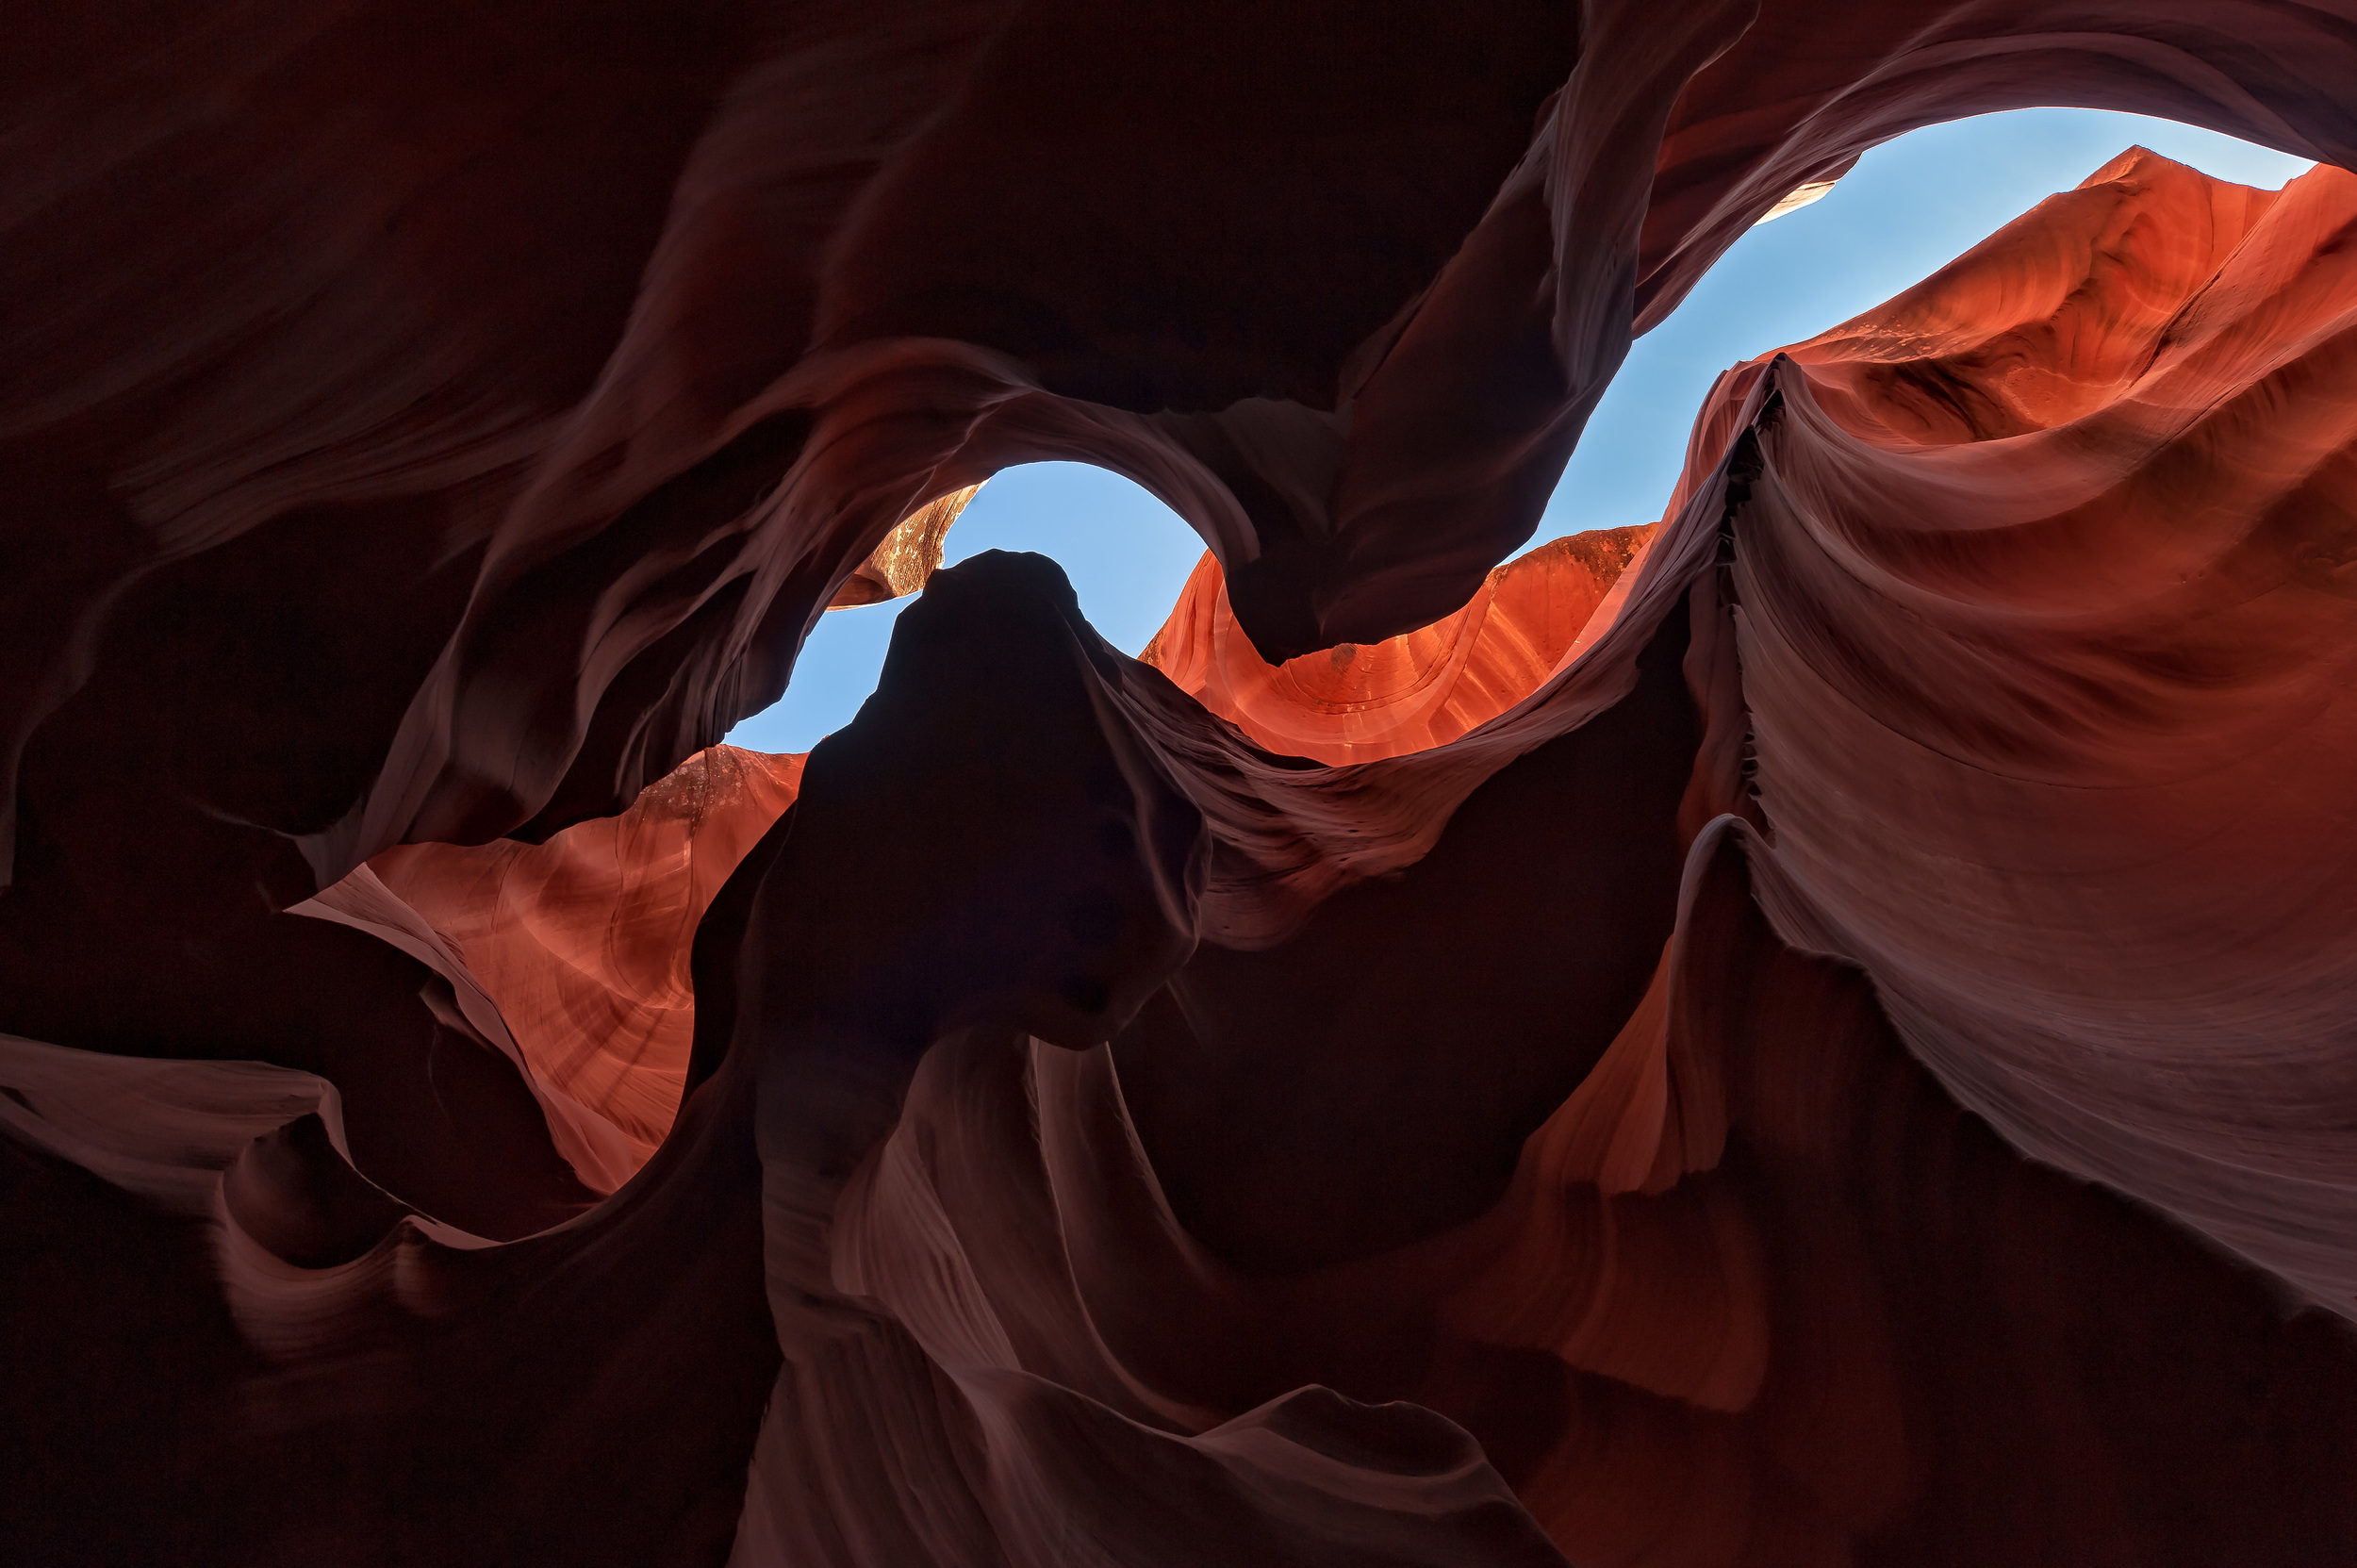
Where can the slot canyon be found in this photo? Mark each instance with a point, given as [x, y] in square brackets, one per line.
[1817, 1031]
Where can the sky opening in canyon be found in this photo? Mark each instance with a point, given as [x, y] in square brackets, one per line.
[1909, 208]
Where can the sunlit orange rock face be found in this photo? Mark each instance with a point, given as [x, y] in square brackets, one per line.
[583, 943]
[1816, 1035]
[1358, 702]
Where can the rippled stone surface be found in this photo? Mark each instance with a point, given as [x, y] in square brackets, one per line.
[1817, 1034]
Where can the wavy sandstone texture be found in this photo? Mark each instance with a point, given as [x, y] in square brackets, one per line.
[1818, 1036]
[1361, 703]
[582, 946]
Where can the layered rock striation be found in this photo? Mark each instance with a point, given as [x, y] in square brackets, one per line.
[1813, 1032]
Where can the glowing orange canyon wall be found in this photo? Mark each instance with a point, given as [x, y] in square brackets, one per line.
[1814, 1032]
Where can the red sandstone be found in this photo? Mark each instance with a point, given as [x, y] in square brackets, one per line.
[1818, 1035]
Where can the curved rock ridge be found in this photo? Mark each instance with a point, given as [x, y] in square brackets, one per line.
[1844, 1062]
[2044, 567]
[582, 945]
[1360, 702]
[1641, 1228]
[639, 351]
[576, 952]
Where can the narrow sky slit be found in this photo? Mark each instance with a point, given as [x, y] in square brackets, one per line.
[1908, 208]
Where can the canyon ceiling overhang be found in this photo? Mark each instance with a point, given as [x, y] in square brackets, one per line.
[1535, 1130]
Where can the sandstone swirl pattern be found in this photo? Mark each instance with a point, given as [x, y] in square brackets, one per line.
[1813, 1032]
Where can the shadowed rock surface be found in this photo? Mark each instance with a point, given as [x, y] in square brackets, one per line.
[1814, 1032]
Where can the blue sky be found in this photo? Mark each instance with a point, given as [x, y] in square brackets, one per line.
[1908, 207]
